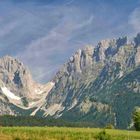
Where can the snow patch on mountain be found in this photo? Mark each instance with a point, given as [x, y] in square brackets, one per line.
[9, 94]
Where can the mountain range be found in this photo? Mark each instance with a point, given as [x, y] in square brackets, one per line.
[98, 84]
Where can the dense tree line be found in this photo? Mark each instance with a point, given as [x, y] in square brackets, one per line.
[8, 120]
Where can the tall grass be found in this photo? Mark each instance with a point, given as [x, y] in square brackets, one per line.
[62, 133]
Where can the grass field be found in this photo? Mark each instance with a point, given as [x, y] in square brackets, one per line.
[62, 133]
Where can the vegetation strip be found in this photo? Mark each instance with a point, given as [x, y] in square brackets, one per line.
[65, 133]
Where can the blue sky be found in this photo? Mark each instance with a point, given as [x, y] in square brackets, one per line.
[45, 33]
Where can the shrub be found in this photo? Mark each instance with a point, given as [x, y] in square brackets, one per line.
[109, 126]
[103, 136]
[17, 138]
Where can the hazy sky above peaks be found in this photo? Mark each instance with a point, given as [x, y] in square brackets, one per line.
[45, 33]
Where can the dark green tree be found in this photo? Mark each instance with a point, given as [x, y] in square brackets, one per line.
[136, 118]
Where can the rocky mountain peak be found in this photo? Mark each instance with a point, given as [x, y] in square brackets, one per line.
[84, 81]
[121, 41]
[18, 89]
[137, 39]
[10, 64]
[16, 77]
[100, 84]
[105, 43]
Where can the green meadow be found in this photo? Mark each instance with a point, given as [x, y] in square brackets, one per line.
[63, 133]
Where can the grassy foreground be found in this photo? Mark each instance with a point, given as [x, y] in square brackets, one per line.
[62, 133]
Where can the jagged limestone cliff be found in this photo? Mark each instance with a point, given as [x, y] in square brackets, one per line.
[99, 84]
[19, 94]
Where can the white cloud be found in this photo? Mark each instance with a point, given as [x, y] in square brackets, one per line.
[68, 2]
[44, 35]
[45, 54]
[134, 19]
[8, 28]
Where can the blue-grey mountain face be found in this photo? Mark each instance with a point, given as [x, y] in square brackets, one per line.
[99, 84]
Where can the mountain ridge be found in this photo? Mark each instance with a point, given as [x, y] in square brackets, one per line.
[86, 88]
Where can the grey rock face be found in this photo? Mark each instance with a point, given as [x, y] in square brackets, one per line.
[18, 91]
[137, 40]
[85, 84]
[99, 84]
[15, 76]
